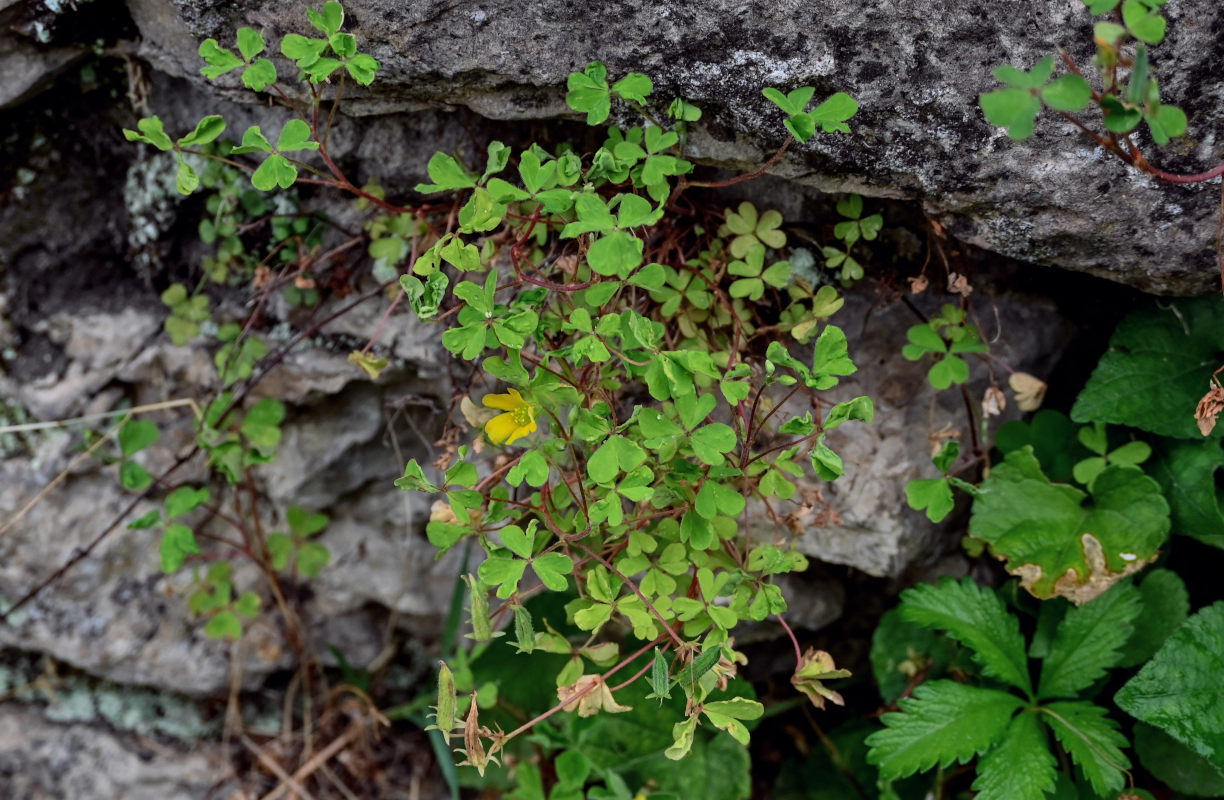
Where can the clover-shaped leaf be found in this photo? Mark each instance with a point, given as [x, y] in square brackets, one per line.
[219, 60]
[589, 93]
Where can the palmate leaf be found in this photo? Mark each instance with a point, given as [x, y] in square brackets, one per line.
[1158, 365]
[1021, 767]
[975, 617]
[1089, 641]
[1092, 740]
[1061, 541]
[1180, 690]
[943, 723]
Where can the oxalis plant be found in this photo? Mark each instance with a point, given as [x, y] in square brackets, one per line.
[633, 399]
[648, 400]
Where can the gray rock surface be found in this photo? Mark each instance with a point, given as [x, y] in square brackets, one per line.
[41, 760]
[917, 75]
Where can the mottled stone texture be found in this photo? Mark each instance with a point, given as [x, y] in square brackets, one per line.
[916, 66]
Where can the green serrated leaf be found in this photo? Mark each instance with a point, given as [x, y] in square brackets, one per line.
[1089, 641]
[1020, 767]
[975, 617]
[1093, 741]
[1179, 690]
[943, 723]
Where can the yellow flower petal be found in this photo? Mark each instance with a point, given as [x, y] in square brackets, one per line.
[505, 402]
[502, 429]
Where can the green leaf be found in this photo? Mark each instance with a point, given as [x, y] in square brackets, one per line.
[220, 60]
[259, 75]
[614, 456]
[1166, 605]
[710, 442]
[1171, 354]
[615, 254]
[504, 573]
[1092, 740]
[975, 617]
[330, 20]
[1180, 690]
[295, 136]
[184, 500]
[1186, 473]
[206, 130]
[932, 494]
[1013, 109]
[942, 723]
[225, 625]
[831, 115]
[1167, 123]
[250, 43]
[306, 523]
[832, 356]
[1051, 435]
[588, 92]
[898, 647]
[1177, 765]
[1144, 23]
[136, 435]
[1119, 117]
[146, 521]
[551, 569]
[312, 558]
[1067, 93]
[304, 51]
[1061, 541]
[247, 605]
[362, 68]
[1033, 79]
[634, 86]
[793, 103]
[186, 180]
[274, 171]
[253, 141]
[446, 174]
[177, 543]
[1021, 767]
[280, 548]
[414, 479]
[1089, 642]
[151, 132]
[134, 477]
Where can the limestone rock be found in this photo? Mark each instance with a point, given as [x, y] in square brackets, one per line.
[41, 759]
[919, 135]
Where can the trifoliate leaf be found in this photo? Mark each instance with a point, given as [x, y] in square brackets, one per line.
[943, 723]
[1061, 541]
[220, 60]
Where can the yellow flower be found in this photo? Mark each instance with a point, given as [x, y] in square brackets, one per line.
[517, 422]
